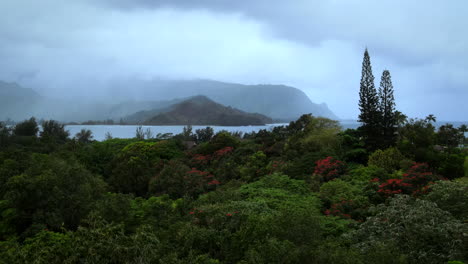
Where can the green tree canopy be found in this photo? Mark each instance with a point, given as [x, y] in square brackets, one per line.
[370, 115]
[387, 110]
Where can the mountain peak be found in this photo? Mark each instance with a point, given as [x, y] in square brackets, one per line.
[200, 99]
[200, 110]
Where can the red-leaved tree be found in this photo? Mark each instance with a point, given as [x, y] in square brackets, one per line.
[329, 168]
[415, 181]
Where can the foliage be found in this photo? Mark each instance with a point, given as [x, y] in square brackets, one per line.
[45, 247]
[329, 168]
[388, 159]
[337, 190]
[5, 133]
[255, 167]
[187, 134]
[418, 228]
[417, 138]
[54, 131]
[302, 167]
[352, 147]
[27, 128]
[97, 156]
[108, 136]
[178, 180]
[246, 222]
[419, 176]
[148, 133]
[449, 136]
[132, 213]
[450, 196]
[84, 136]
[139, 133]
[394, 186]
[312, 134]
[465, 165]
[451, 165]
[204, 134]
[370, 115]
[221, 140]
[230, 199]
[346, 209]
[365, 174]
[52, 193]
[415, 181]
[387, 109]
[138, 162]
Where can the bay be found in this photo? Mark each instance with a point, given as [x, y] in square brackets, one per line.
[129, 131]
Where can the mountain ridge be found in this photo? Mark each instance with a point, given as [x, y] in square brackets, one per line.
[277, 101]
[280, 102]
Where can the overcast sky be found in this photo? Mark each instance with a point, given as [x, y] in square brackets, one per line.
[76, 47]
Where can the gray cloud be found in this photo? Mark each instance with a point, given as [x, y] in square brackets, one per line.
[420, 30]
[76, 47]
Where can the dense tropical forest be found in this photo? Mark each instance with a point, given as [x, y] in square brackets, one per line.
[394, 190]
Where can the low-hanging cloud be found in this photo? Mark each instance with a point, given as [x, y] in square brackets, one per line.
[74, 48]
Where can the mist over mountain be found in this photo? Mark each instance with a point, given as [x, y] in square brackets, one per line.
[17, 102]
[279, 102]
[276, 101]
[139, 111]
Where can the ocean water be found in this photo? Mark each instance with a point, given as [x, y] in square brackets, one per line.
[129, 131]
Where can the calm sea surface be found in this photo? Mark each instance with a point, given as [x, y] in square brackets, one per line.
[117, 131]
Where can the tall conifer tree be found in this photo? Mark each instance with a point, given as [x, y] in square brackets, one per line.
[370, 116]
[387, 109]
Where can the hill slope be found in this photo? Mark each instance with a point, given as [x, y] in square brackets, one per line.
[200, 110]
